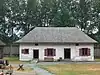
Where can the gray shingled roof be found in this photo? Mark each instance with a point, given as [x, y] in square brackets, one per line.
[56, 35]
[1, 43]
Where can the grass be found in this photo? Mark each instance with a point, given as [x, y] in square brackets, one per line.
[14, 60]
[74, 69]
[26, 69]
[11, 58]
[97, 59]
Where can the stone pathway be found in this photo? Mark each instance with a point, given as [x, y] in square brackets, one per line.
[64, 62]
[22, 73]
[39, 71]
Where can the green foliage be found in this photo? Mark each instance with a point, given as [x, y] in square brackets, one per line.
[18, 17]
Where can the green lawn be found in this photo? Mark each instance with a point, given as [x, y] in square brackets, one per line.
[74, 69]
[97, 59]
[11, 58]
[14, 60]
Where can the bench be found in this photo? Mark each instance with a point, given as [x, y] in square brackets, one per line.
[48, 59]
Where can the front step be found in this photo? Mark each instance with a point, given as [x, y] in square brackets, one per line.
[34, 61]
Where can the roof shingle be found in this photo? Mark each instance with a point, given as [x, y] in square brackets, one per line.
[1, 43]
[56, 35]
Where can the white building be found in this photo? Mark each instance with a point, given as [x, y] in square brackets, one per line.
[52, 43]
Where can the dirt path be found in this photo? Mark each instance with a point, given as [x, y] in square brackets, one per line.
[24, 73]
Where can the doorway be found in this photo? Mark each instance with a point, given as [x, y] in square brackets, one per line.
[35, 54]
[67, 53]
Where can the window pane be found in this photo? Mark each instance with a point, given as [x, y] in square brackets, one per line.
[50, 52]
[25, 51]
[84, 52]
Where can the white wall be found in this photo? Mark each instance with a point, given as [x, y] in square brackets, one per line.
[83, 58]
[59, 51]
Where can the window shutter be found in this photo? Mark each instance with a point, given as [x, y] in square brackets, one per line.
[88, 52]
[45, 52]
[80, 52]
[84, 51]
[54, 52]
[22, 51]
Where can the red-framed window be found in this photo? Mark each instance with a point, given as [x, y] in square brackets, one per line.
[25, 51]
[50, 52]
[84, 52]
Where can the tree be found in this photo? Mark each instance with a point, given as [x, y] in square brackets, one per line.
[96, 9]
[19, 17]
